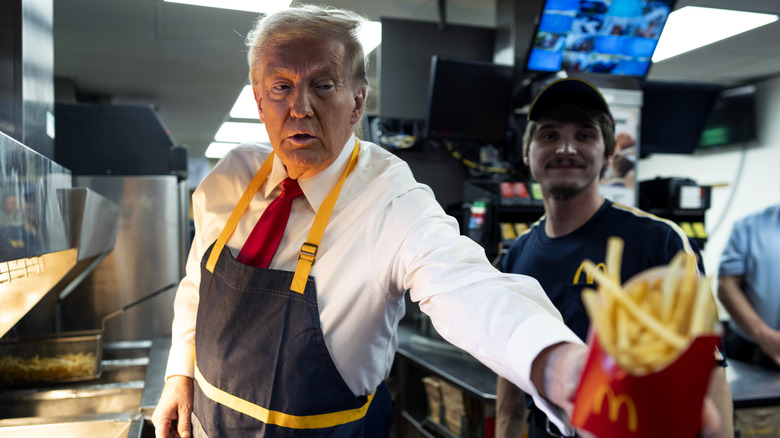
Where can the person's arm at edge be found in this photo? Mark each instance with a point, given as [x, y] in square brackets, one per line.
[733, 298]
[720, 394]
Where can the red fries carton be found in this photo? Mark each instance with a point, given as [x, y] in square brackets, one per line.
[668, 403]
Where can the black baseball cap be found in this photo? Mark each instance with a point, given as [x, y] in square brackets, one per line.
[571, 91]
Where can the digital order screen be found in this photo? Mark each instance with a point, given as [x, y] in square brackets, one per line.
[615, 37]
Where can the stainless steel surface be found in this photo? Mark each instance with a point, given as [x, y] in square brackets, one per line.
[110, 398]
[146, 256]
[34, 250]
[38, 75]
[141, 428]
[91, 221]
[155, 375]
[31, 222]
[27, 281]
[752, 385]
[90, 224]
[118, 389]
[96, 425]
[72, 356]
[105, 407]
[447, 361]
[27, 72]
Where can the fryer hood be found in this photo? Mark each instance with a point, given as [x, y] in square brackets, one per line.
[59, 236]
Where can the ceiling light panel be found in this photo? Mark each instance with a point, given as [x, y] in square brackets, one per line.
[692, 27]
[237, 132]
[259, 6]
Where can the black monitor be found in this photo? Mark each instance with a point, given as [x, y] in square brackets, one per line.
[469, 101]
[613, 37]
[674, 115]
[404, 60]
[733, 120]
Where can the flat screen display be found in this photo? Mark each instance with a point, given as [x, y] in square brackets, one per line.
[733, 120]
[616, 37]
[674, 115]
[469, 100]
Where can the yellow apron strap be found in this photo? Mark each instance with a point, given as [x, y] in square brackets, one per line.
[268, 416]
[242, 205]
[311, 246]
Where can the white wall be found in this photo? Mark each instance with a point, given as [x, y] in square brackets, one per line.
[751, 174]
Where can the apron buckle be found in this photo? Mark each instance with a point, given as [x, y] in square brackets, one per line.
[308, 251]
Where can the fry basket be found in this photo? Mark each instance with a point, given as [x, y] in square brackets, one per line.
[51, 358]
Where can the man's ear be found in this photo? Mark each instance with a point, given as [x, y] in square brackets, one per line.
[259, 99]
[525, 154]
[360, 103]
[607, 164]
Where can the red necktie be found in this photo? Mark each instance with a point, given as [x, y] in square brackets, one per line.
[261, 245]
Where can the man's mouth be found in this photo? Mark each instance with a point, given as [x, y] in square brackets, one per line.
[302, 136]
[565, 164]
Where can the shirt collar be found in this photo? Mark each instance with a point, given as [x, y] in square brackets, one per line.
[317, 187]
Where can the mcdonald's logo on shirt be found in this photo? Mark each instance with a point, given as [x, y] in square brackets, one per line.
[588, 277]
[613, 404]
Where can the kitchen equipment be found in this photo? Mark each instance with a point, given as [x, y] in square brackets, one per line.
[55, 236]
[145, 173]
[149, 251]
[58, 357]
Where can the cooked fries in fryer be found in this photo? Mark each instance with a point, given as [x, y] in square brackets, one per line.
[16, 370]
[647, 323]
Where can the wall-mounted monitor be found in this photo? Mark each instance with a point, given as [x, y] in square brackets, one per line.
[469, 101]
[404, 60]
[613, 37]
[733, 120]
[674, 115]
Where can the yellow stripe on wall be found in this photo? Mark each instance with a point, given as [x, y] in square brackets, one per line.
[279, 418]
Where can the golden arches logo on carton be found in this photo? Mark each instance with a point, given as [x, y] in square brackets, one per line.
[614, 403]
[588, 277]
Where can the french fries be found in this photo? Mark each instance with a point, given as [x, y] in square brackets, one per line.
[16, 370]
[648, 322]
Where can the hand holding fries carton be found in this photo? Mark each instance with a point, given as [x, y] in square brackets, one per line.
[652, 347]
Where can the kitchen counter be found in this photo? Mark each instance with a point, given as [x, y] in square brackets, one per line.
[752, 385]
[153, 386]
[448, 361]
[420, 356]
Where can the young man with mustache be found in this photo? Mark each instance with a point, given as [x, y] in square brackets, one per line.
[568, 142]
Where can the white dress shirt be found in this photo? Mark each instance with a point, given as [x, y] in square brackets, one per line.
[386, 235]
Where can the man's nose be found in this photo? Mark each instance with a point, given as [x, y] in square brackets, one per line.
[301, 104]
[566, 147]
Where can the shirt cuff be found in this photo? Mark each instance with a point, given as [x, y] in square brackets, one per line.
[181, 360]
